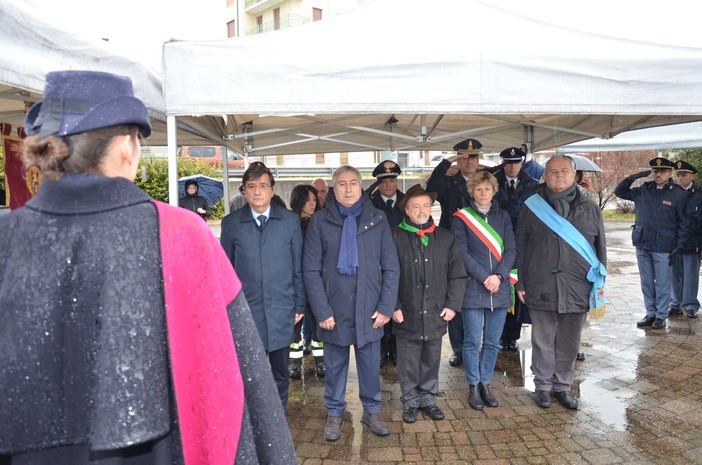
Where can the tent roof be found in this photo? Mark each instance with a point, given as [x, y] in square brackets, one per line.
[446, 70]
[32, 47]
[677, 136]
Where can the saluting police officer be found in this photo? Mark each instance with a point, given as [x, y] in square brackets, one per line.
[660, 230]
[387, 198]
[515, 186]
[686, 266]
[453, 195]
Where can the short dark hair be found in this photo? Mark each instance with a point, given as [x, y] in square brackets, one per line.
[299, 196]
[255, 171]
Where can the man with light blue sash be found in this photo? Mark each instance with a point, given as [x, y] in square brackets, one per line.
[561, 257]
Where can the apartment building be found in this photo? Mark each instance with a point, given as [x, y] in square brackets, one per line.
[249, 17]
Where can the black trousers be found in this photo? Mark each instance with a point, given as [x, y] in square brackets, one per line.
[278, 360]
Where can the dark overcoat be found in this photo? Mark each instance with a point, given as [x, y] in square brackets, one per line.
[512, 201]
[661, 223]
[480, 263]
[351, 300]
[693, 210]
[551, 272]
[432, 278]
[268, 261]
[452, 192]
[394, 214]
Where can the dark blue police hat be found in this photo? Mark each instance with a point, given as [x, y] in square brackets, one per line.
[512, 155]
[387, 169]
[661, 163]
[684, 167]
[469, 146]
[80, 101]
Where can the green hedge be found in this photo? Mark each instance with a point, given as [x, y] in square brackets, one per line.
[152, 176]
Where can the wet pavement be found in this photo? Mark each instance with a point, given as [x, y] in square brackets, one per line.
[640, 393]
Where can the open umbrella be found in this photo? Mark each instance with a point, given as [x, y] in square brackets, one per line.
[210, 188]
[581, 163]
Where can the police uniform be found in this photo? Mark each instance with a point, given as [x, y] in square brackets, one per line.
[391, 208]
[660, 230]
[511, 195]
[453, 195]
[686, 266]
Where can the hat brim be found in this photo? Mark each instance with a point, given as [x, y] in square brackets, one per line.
[403, 202]
[509, 161]
[387, 175]
[113, 112]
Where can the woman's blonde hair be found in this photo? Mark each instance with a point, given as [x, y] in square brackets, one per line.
[481, 177]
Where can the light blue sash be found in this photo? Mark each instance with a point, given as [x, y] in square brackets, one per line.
[575, 239]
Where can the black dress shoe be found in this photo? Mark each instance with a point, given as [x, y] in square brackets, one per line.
[659, 323]
[674, 312]
[319, 369]
[512, 346]
[691, 313]
[581, 356]
[542, 398]
[566, 399]
[474, 399]
[486, 395]
[409, 414]
[501, 343]
[646, 321]
[433, 412]
[455, 359]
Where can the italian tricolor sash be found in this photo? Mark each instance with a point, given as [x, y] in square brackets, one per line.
[487, 234]
[483, 230]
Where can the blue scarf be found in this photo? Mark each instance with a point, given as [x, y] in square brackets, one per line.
[348, 249]
[575, 239]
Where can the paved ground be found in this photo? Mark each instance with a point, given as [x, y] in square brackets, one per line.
[640, 393]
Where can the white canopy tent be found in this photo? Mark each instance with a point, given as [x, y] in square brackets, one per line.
[417, 75]
[676, 136]
[32, 47]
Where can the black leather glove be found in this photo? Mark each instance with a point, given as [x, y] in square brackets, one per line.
[672, 256]
[641, 174]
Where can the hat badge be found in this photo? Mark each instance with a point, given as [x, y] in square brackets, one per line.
[512, 152]
[470, 145]
[658, 162]
[679, 164]
[388, 165]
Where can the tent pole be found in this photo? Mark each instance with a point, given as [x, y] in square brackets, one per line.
[172, 161]
[225, 176]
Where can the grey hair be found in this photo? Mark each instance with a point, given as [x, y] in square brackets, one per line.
[561, 156]
[343, 169]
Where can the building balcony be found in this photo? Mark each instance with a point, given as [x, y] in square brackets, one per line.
[288, 20]
[257, 6]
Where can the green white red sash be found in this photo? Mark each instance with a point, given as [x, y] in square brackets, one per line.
[486, 234]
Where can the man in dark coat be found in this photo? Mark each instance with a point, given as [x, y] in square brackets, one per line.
[515, 186]
[453, 195]
[351, 275]
[264, 243]
[553, 279]
[660, 231]
[686, 266]
[387, 198]
[432, 281]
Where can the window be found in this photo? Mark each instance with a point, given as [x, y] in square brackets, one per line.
[276, 18]
[231, 28]
[316, 14]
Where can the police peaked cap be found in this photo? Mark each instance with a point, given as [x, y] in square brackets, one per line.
[387, 169]
[685, 167]
[512, 155]
[470, 146]
[661, 163]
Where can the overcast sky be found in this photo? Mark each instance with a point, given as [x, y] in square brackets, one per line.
[138, 27]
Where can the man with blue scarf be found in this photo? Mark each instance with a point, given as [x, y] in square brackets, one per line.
[561, 258]
[351, 273]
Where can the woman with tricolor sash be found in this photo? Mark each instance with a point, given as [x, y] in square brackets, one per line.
[484, 233]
